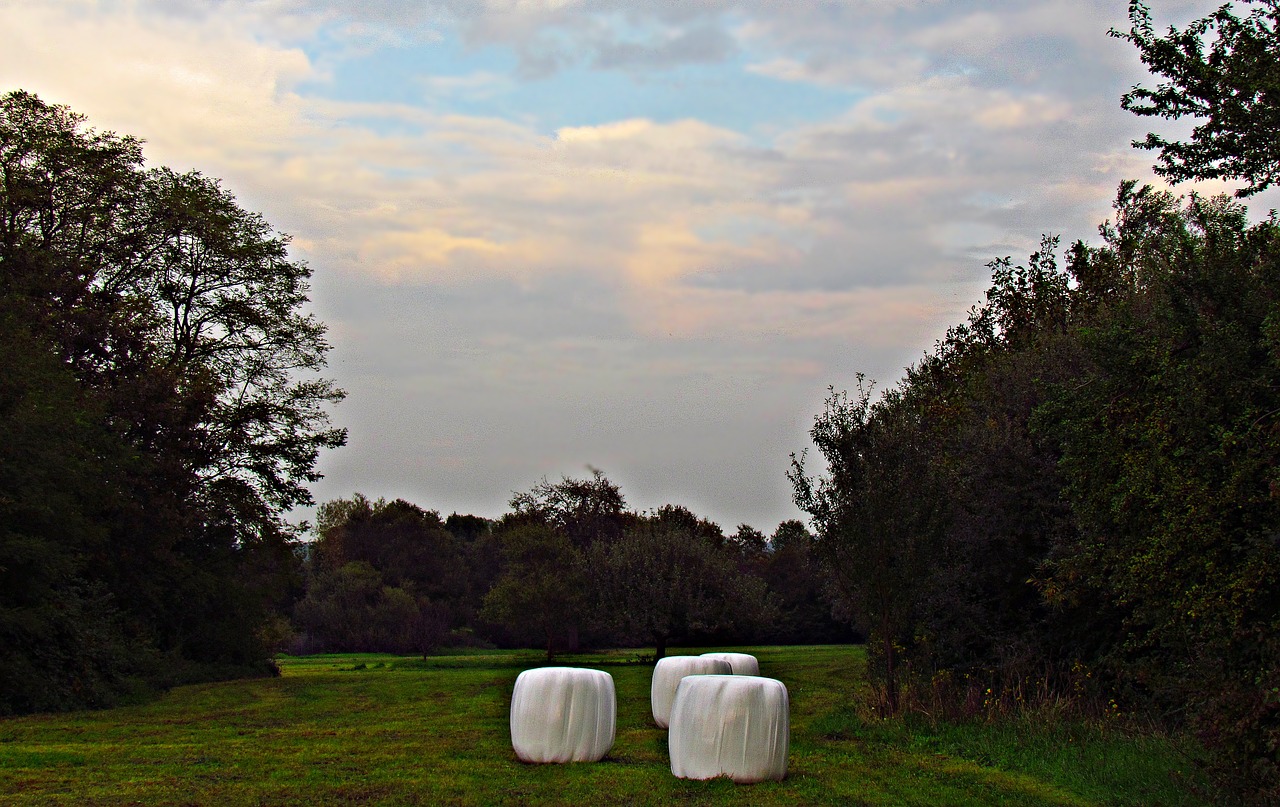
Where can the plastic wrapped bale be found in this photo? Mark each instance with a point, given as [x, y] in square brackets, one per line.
[667, 675]
[730, 725]
[742, 663]
[563, 714]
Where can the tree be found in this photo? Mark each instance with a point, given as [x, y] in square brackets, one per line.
[543, 588]
[664, 579]
[351, 609]
[229, 300]
[981, 614]
[1231, 83]
[177, 316]
[409, 546]
[468, 528]
[1170, 445]
[174, 304]
[584, 510]
[413, 551]
[877, 518]
[62, 641]
[799, 583]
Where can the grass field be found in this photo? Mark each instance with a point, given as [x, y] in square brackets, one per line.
[373, 729]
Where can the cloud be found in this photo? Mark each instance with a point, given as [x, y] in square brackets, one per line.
[637, 286]
[704, 43]
[196, 90]
[876, 197]
[480, 84]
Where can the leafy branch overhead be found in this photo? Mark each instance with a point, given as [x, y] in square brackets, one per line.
[1224, 71]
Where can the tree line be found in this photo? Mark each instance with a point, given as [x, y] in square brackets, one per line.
[569, 567]
[1075, 495]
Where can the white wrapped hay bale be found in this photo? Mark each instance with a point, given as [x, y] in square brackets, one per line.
[563, 714]
[742, 663]
[667, 675]
[730, 725]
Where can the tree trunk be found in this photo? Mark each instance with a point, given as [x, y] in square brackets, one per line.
[661, 644]
[890, 673]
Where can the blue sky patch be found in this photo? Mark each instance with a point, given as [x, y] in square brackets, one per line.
[446, 75]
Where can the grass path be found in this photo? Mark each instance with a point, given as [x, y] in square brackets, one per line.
[374, 729]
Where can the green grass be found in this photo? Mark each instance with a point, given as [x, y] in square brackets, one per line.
[376, 729]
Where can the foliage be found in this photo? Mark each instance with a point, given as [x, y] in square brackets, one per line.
[543, 587]
[161, 339]
[584, 510]
[351, 609]
[1077, 490]
[995, 480]
[1232, 84]
[665, 579]
[569, 568]
[49, 480]
[798, 583]
[409, 546]
[412, 552]
[1171, 446]
[875, 520]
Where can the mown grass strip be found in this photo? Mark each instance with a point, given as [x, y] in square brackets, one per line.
[376, 729]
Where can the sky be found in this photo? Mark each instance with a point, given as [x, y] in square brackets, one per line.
[644, 237]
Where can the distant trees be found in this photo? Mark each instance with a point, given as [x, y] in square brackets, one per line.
[161, 333]
[665, 579]
[543, 588]
[583, 510]
[404, 558]
[568, 567]
[410, 547]
[351, 609]
[801, 589]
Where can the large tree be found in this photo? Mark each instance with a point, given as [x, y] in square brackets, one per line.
[61, 638]
[177, 317]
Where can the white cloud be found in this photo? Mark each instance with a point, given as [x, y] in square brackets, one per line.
[480, 84]
[820, 248]
[198, 91]
[440, 197]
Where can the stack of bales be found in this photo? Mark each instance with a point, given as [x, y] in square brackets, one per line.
[723, 718]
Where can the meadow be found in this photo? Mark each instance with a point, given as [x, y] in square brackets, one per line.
[382, 729]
